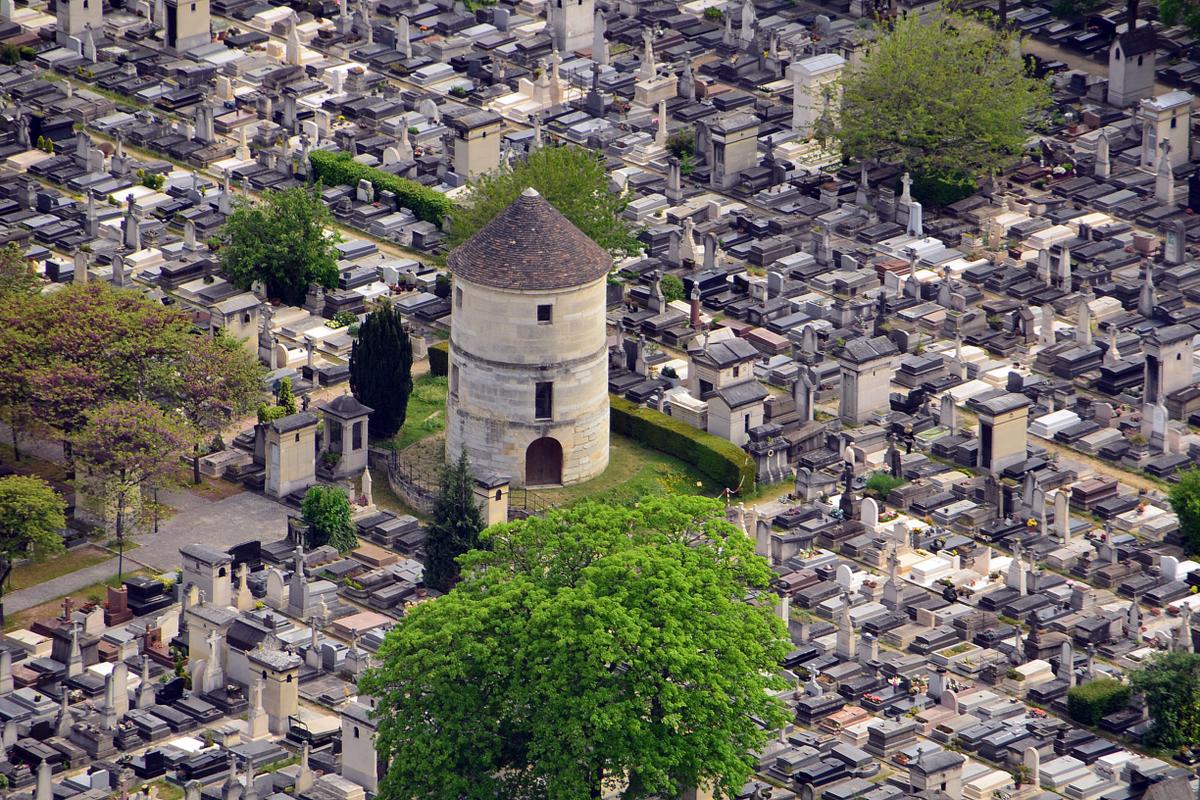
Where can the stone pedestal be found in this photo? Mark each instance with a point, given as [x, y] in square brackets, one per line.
[649, 93]
[116, 609]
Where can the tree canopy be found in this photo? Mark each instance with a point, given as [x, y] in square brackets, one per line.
[220, 382]
[949, 98]
[588, 647]
[285, 240]
[32, 515]
[1180, 12]
[572, 179]
[1171, 684]
[70, 351]
[326, 509]
[130, 448]
[1185, 502]
[381, 369]
[17, 275]
[456, 525]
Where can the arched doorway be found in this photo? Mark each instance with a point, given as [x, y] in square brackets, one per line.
[543, 462]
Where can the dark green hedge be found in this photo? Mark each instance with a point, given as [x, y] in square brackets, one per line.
[439, 359]
[339, 169]
[1090, 702]
[718, 458]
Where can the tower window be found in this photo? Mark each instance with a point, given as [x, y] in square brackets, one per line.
[356, 436]
[543, 400]
[545, 313]
[454, 380]
[746, 423]
[458, 297]
[1173, 121]
[499, 494]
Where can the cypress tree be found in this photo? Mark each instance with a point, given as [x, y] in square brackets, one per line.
[456, 524]
[381, 369]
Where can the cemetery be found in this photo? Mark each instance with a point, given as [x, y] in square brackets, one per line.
[959, 428]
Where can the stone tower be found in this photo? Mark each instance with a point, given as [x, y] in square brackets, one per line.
[571, 23]
[528, 348]
[73, 17]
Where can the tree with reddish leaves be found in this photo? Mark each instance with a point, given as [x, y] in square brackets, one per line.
[218, 383]
[128, 451]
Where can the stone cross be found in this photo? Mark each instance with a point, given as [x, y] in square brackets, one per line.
[648, 70]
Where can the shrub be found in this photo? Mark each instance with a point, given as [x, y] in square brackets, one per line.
[718, 458]
[941, 190]
[340, 169]
[882, 483]
[439, 359]
[1092, 701]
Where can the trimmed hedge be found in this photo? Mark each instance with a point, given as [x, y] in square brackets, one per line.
[718, 458]
[439, 359]
[338, 169]
[1093, 701]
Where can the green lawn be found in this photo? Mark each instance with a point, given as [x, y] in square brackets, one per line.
[633, 471]
[426, 414]
[37, 572]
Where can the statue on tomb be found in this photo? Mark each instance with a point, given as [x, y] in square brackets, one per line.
[846, 503]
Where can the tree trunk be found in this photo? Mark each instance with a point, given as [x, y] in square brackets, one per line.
[16, 441]
[5, 571]
[120, 534]
[196, 464]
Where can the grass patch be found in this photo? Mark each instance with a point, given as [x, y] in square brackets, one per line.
[278, 765]
[166, 791]
[208, 488]
[426, 413]
[49, 471]
[35, 573]
[52, 608]
[385, 498]
[633, 471]
[130, 544]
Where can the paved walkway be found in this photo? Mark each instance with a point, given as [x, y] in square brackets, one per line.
[242, 517]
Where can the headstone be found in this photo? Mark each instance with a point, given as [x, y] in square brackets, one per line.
[1033, 763]
[915, 221]
[1062, 516]
[869, 512]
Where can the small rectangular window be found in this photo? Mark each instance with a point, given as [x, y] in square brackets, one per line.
[746, 423]
[1173, 121]
[356, 436]
[454, 380]
[736, 371]
[457, 297]
[543, 400]
[545, 313]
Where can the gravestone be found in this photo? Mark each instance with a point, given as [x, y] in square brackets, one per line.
[869, 513]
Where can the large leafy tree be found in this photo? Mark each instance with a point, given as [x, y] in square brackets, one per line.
[1185, 502]
[948, 97]
[457, 522]
[31, 519]
[285, 240]
[381, 369]
[219, 383]
[572, 179]
[587, 648]
[69, 351]
[17, 275]
[130, 450]
[1171, 684]
[326, 509]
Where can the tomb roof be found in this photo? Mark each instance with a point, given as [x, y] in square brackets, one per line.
[529, 246]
